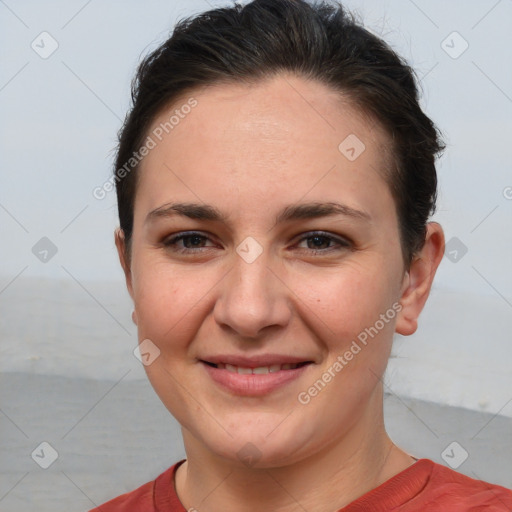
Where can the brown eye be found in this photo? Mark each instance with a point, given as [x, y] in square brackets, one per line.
[323, 242]
[187, 242]
[319, 242]
[193, 241]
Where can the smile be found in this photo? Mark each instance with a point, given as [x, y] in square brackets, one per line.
[260, 370]
[251, 378]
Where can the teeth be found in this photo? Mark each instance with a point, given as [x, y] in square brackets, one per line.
[260, 370]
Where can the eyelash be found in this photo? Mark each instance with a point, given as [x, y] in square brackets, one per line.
[342, 243]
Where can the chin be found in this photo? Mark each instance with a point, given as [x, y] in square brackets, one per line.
[256, 442]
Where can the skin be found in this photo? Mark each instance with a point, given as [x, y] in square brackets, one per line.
[251, 151]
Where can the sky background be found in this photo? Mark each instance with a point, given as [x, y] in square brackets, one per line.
[60, 115]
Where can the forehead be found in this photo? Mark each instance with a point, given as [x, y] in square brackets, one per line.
[281, 131]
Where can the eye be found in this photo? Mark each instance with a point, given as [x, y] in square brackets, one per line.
[316, 242]
[187, 242]
[321, 242]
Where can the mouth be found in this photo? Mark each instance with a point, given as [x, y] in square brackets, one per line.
[256, 377]
[258, 370]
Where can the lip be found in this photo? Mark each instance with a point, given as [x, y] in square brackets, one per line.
[253, 384]
[254, 361]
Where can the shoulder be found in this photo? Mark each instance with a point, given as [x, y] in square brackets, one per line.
[461, 492]
[138, 500]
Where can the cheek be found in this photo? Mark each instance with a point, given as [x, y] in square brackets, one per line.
[353, 311]
[354, 319]
[349, 298]
[168, 298]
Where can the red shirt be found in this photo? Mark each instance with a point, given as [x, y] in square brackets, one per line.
[424, 486]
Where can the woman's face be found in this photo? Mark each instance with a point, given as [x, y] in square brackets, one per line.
[265, 237]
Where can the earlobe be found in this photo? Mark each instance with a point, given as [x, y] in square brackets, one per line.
[123, 258]
[418, 280]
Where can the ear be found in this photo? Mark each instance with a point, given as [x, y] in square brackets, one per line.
[418, 279]
[124, 258]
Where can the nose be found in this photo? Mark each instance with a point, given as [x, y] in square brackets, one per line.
[253, 299]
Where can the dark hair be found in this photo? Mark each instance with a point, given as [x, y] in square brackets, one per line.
[247, 43]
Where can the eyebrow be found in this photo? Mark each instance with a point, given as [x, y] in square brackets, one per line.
[313, 210]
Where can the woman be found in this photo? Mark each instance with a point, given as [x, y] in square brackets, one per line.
[275, 178]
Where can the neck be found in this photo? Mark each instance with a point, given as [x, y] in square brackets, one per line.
[331, 478]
